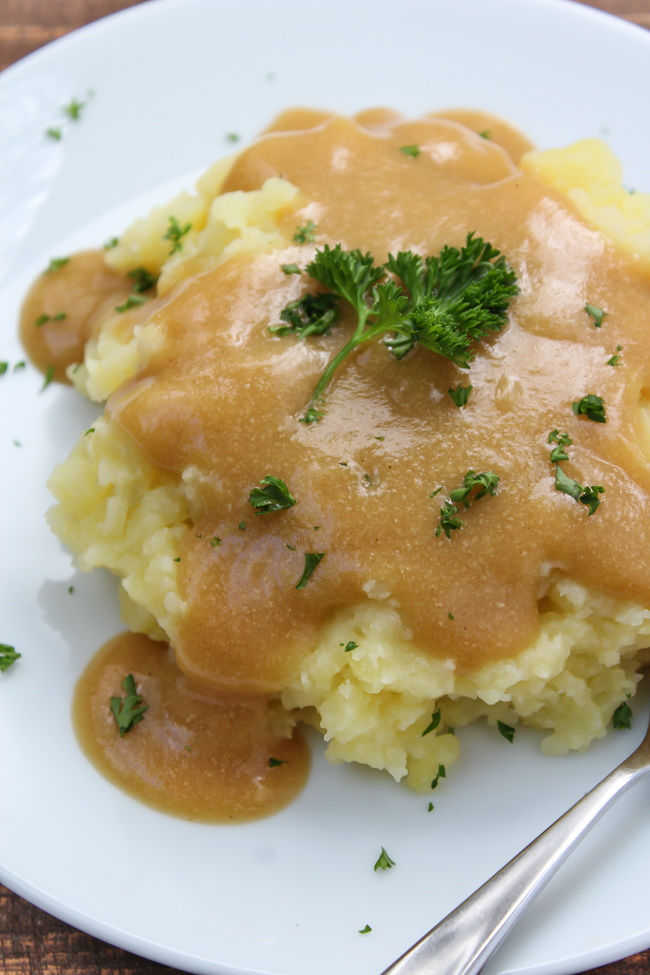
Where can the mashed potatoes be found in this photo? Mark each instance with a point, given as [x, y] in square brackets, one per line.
[364, 674]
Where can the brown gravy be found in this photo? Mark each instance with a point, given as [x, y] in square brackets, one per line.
[197, 755]
[224, 396]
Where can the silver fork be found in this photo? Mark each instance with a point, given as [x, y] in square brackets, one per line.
[462, 943]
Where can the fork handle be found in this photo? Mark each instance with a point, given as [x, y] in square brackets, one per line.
[462, 943]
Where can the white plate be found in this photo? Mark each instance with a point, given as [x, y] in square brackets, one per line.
[287, 895]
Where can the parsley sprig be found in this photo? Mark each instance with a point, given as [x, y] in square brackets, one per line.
[445, 302]
[273, 496]
[486, 482]
[8, 656]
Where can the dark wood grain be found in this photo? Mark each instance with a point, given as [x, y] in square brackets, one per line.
[31, 941]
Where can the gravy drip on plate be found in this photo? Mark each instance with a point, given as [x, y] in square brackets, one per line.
[196, 754]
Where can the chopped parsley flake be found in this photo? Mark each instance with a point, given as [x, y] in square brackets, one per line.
[586, 495]
[615, 359]
[305, 234]
[487, 483]
[622, 717]
[133, 301]
[47, 379]
[430, 807]
[365, 930]
[89, 430]
[42, 319]
[129, 710]
[56, 264]
[8, 656]
[450, 616]
[215, 541]
[3, 368]
[506, 730]
[460, 394]
[591, 406]
[175, 233]
[111, 243]
[143, 280]
[440, 774]
[413, 151]
[562, 440]
[70, 590]
[384, 862]
[311, 415]
[274, 496]
[350, 645]
[242, 526]
[291, 269]
[54, 133]
[232, 137]
[485, 134]
[20, 365]
[312, 559]
[433, 724]
[274, 762]
[597, 314]
[73, 109]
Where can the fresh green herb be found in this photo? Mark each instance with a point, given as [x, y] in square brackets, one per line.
[591, 406]
[73, 109]
[586, 495]
[506, 730]
[381, 439]
[89, 430]
[615, 359]
[42, 319]
[19, 365]
[56, 264]
[365, 930]
[3, 368]
[292, 547]
[133, 301]
[485, 134]
[177, 559]
[274, 762]
[622, 717]
[274, 496]
[433, 724]
[214, 542]
[430, 807]
[440, 774]
[54, 133]
[175, 233]
[451, 616]
[291, 269]
[596, 313]
[311, 315]
[413, 151]
[143, 280]
[16, 443]
[242, 526]
[47, 378]
[8, 656]
[305, 234]
[562, 440]
[311, 415]
[460, 394]
[129, 710]
[486, 482]
[384, 862]
[232, 137]
[445, 303]
[111, 243]
[312, 559]
[350, 645]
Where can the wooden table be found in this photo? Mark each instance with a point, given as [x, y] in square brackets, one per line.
[32, 942]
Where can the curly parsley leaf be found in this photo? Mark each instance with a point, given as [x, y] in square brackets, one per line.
[305, 234]
[433, 724]
[56, 263]
[143, 280]
[384, 862]
[591, 406]
[460, 395]
[562, 440]
[274, 496]
[8, 656]
[586, 495]
[129, 710]
[506, 730]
